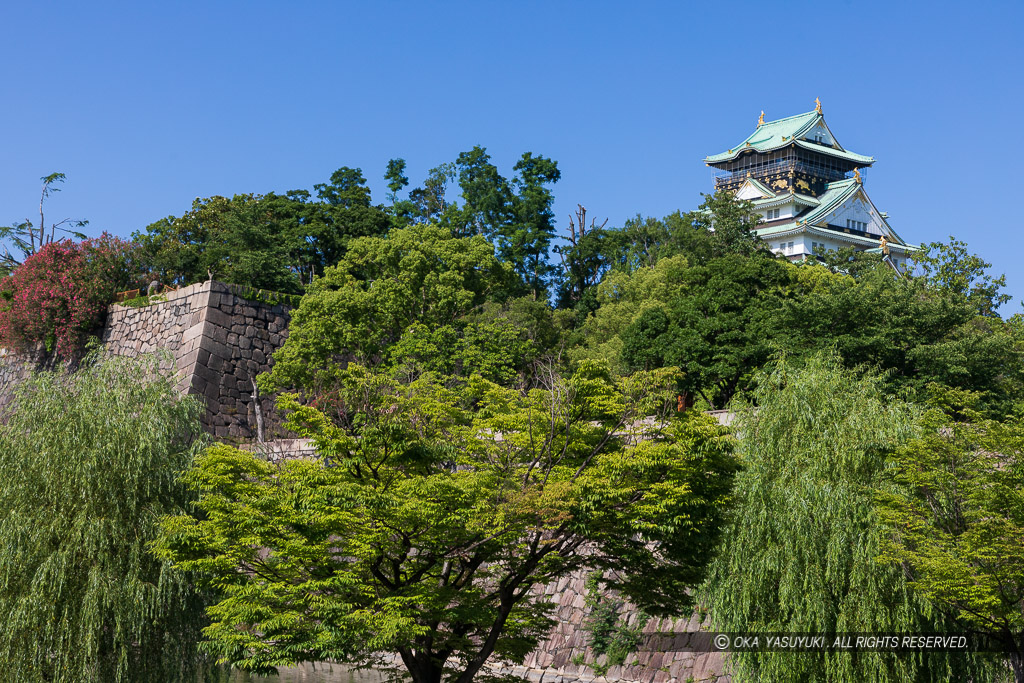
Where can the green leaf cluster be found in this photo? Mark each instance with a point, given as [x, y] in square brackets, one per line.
[435, 510]
[954, 516]
[800, 552]
[89, 464]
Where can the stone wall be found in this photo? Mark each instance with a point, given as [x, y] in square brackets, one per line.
[553, 660]
[13, 368]
[218, 342]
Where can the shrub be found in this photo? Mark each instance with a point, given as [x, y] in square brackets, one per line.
[60, 294]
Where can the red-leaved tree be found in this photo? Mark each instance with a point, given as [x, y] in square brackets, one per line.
[60, 294]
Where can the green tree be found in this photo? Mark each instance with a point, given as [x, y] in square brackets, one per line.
[720, 226]
[514, 214]
[236, 240]
[500, 342]
[800, 552]
[620, 299]
[718, 329]
[916, 332]
[434, 513]
[89, 463]
[954, 519]
[950, 268]
[420, 274]
[274, 241]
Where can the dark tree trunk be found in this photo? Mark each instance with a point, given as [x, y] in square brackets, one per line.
[1017, 664]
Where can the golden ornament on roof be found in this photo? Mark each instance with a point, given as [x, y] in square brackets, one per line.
[817, 105]
[760, 120]
[856, 174]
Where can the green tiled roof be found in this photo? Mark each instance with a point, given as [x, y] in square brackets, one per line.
[776, 230]
[836, 194]
[777, 134]
[805, 199]
[833, 197]
[836, 152]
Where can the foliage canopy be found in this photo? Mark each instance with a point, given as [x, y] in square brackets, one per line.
[89, 463]
[434, 511]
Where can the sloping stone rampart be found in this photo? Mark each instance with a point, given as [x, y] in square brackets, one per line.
[218, 340]
[553, 660]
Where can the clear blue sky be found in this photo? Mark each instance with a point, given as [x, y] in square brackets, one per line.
[147, 105]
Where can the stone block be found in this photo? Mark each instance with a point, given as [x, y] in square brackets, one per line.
[244, 342]
[189, 358]
[192, 332]
[212, 391]
[217, 334]
[218, 317]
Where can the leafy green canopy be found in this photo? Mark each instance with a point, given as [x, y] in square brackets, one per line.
[434, 512]
[513, 213]
[719, 318]
[955, 518]
[89, 463]
[720, 226]
[419, 275]
[919, 332]
[277, 242]
[800, 553]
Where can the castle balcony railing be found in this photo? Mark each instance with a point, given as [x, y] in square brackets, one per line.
[783, 166]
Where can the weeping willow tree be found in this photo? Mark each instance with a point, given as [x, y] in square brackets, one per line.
[801, 553]
[89, 463]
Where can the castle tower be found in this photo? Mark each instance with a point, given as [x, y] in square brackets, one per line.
[808, 189]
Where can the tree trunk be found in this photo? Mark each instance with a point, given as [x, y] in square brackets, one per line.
[1017, 664]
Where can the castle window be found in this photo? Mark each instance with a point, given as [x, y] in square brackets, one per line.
[771, 213]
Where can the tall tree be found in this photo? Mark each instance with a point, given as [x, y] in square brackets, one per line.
[952, 269]
[236, 240]
[955, 518]
[528, 240]
[434, 513]
[89, 463]
[718, 329]
[358, 309]
[800, 553]
[273, 241]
